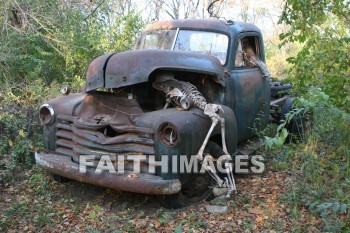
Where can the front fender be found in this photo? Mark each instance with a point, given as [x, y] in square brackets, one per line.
[192, 127]
[65, 105]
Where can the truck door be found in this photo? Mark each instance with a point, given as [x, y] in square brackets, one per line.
[251, 89]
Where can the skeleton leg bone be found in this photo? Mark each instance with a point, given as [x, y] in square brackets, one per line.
[215, 120]
[231, 180]
[201, 150]
[227, 186]
[224, 148]
[211, 171]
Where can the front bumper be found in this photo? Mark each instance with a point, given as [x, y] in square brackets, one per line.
[139, 183]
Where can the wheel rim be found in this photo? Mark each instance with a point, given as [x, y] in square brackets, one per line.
[197, 188]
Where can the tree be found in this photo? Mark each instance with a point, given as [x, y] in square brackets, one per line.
[177, 9]
[45, 43]
[56, 39]
[182, 9]
[323, 27]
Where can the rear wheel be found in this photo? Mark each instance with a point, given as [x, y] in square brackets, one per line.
[298, 125]
[197, 188]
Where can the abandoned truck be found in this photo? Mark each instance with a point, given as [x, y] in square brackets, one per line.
[190, 87]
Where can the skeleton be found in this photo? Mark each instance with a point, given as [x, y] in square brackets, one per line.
[186, 95]
[250, 57]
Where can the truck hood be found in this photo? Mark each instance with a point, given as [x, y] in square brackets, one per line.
[127, 68]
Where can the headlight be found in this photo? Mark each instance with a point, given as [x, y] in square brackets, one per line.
[168, 134]
[46, 114]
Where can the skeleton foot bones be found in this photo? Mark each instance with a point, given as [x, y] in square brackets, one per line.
[186, 95]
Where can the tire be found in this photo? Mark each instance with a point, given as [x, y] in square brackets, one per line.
[297, 126]
[197, 188]
[277, 87]
[60, 179]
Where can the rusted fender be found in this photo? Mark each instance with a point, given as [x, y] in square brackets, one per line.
[132, 67]
[140, 183]
[67, 105]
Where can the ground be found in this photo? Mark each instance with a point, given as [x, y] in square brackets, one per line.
[37, 203]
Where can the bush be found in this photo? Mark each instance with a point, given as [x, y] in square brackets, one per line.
[20, 129]
[321, 163]
[324, 60]
[44, 44]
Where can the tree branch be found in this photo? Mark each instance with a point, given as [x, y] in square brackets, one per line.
[93, 12]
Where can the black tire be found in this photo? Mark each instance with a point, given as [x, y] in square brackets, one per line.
[197, 188]
[60, 179]
[277, 87]
[297, 126]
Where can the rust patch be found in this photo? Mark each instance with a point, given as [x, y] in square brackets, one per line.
[140, 183]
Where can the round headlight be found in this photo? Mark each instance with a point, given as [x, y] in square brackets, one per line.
[168, 134]
[46, 114]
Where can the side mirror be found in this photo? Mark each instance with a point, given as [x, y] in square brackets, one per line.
[65, 89]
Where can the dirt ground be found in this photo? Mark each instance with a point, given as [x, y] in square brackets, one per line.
[39, 204]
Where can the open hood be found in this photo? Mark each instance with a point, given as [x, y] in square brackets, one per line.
[132, 67]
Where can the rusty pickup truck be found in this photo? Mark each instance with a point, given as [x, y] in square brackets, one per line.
[189, 88]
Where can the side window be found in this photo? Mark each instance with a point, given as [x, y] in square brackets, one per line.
[247, 53]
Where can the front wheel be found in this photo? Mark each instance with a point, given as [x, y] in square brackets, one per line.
[60, 179]
[197, 188]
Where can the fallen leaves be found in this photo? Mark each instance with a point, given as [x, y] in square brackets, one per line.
[255, 211]
[255, 207]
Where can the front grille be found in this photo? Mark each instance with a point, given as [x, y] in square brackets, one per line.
[74, 138]
[64, 137]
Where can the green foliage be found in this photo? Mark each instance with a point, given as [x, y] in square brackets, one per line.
[44, 44]
[322, 162]
[282, 133]
[20, 129]
[325, 120]
[308, 18]
[279, 139]
[330, 124]
[324, 61]
[53, 40]
[276, 57]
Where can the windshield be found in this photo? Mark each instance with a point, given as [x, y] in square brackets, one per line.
[161, 39]
[210, 43]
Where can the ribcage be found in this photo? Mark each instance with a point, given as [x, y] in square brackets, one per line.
[182, 91]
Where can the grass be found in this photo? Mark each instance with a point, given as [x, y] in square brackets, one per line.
[322, 171]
